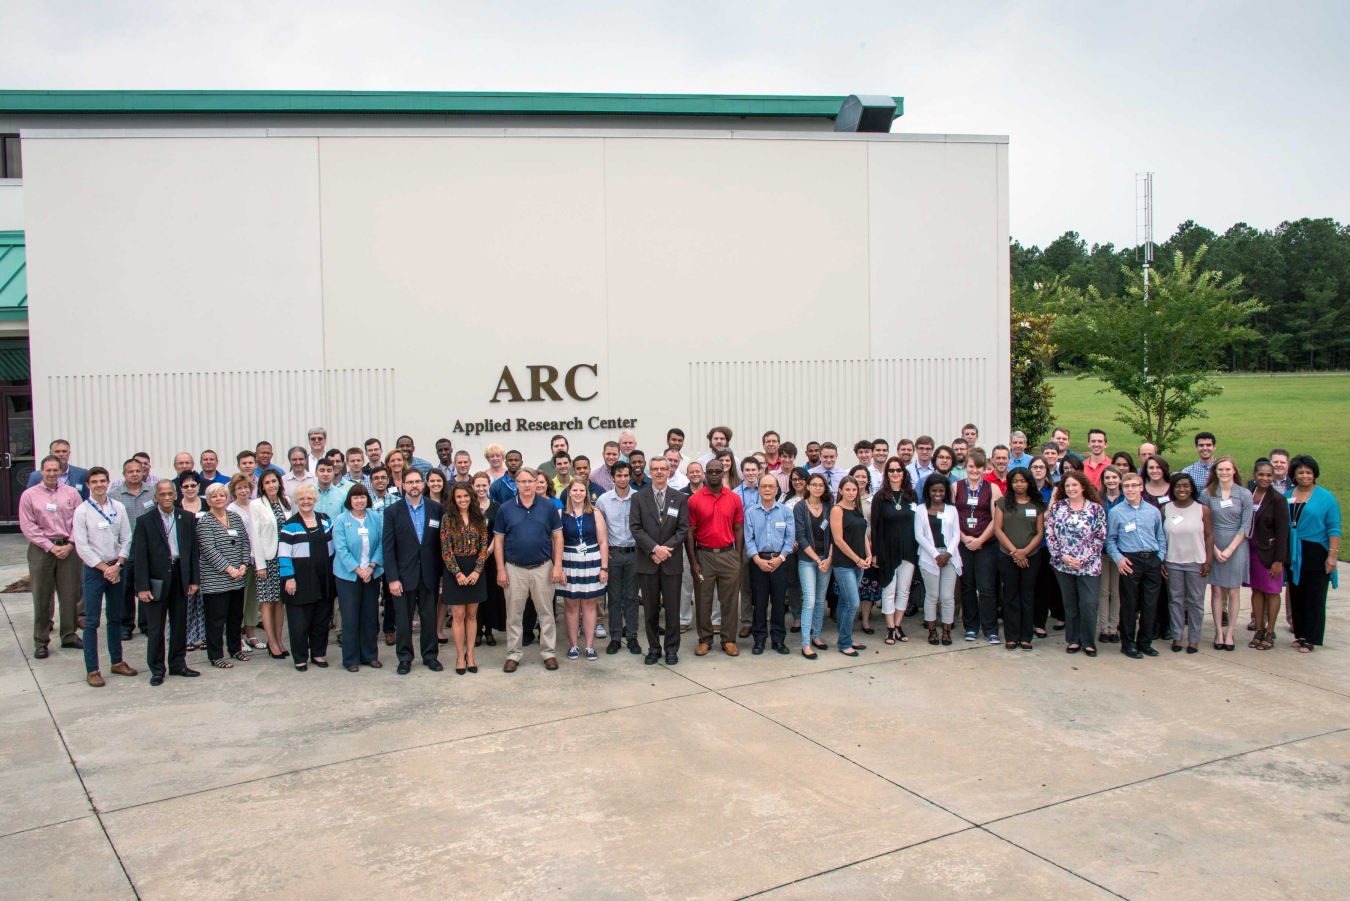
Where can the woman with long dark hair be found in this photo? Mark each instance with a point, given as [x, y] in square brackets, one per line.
[853, 551]
[815, 545]
[1019, 526]
[466, 544]
[894, 544]
[492, 611]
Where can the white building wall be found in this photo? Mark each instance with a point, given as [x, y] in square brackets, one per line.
[830, 287]
[11, 204]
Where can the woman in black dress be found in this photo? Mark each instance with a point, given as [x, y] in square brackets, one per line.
[465, 543]
[492, 612]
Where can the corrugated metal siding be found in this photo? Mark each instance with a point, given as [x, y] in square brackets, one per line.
[108, 418]
[838, 400]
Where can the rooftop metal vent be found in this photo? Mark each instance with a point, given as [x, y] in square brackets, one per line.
[866, 113]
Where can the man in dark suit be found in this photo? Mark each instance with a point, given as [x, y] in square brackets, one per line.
[70, 475]
[659, 522]
[412, 566]
[164, 548]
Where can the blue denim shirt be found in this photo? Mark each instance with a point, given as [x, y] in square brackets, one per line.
[769, 530]
[1134, 530]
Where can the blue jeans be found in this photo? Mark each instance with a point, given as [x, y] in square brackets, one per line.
[814, 582]
[96, 590]
[847, 580]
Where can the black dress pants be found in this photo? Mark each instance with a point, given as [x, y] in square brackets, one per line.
[1308, 599]
[768, 592]
[308, 626]
[1019, 596]
[173, 609]
[133, 614]
[224, 612]
[661, 591]
[1139, 599]
[390, 624]
[979, 604]
[419, 602]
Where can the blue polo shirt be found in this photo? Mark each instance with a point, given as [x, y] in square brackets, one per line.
[527, 532]
[503, 490]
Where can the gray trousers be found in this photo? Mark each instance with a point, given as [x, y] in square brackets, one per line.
[624, 620]
[1080, 608]
[1187, 606]
[686, 594]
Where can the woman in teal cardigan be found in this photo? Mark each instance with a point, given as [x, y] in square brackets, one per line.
[1314, 540]
[358, 562]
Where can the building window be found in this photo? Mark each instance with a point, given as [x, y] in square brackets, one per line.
[11, 160]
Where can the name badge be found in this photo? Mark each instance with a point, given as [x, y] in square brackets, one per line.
[363, 531]
[780, 525]
[233, 533]
[199, 514]
[1029, 512]
[51, 507]
[1227, 503]
[673, 511]
[1129, 527]
[971, 521]
[972, 501]
[1176, 520]
[434, 523]
[148, 504]
[103, 525]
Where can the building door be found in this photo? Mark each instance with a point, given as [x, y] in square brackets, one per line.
[17, 459]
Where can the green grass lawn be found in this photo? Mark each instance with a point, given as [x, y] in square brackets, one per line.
[1306, 414]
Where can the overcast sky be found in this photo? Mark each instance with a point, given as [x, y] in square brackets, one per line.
[1239, 107]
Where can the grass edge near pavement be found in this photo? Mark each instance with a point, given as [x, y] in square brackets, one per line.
[1303, 412]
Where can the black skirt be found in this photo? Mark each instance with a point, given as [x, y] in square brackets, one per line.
[453, 593]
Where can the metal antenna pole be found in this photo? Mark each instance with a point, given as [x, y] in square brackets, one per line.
[1143, 237]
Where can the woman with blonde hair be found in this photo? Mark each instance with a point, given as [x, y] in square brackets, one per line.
[585, 566]
[495, 455]
[397, 464]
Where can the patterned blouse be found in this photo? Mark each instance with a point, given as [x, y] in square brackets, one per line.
[459, 540]
[1076, 533]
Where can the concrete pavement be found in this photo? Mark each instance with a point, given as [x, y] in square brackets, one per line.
[913, 772]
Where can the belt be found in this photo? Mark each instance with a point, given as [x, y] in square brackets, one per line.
[60, 542]
[704, 547]
[615, 549]
[530, 565]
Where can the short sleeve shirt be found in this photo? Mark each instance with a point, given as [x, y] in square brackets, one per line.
[527, 532]
[713, 517]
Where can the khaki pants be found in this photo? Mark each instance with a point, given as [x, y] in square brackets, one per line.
[721, 570]
[1108, 597]
[522, 584]
[53, 576]
[747, 596]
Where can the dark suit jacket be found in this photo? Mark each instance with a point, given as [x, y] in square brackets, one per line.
[651, 527]
[75, 480]
[150, 549]
[1270, 530]
[405, 560]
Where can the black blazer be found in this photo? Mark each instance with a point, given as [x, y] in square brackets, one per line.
[651, 527]
[150, 549]
[405, 560]
[1270, 529]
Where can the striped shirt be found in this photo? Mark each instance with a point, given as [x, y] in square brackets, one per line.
[220, 549]
[293, 544]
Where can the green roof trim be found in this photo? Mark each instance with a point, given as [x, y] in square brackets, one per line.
[13, 276]
[431, 102]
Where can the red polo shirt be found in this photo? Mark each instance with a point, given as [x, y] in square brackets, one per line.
[712, 517]
[992, 478]
[1094, 471]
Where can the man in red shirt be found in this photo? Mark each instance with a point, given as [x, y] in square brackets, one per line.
[714, 546]
[1097, 460]
[998, 470]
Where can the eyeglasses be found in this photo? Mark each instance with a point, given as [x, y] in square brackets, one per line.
[893, 469]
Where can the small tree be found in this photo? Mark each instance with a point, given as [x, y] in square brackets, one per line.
[1158, 356]
[1031, 353]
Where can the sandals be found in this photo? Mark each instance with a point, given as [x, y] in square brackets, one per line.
[932, 636]
[1026, 645]
[240, 655]
[1256, 638]
[947, 635]
[222, 663]
[1267, 641]
[900, 634]
[1303, 647]
[256, 643]
[1012, 645]
[1041, 633]
[890, 635]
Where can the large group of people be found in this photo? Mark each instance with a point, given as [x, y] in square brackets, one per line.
[362, 544]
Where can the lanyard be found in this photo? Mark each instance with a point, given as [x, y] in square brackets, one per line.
[91, 503]
[974, 495]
